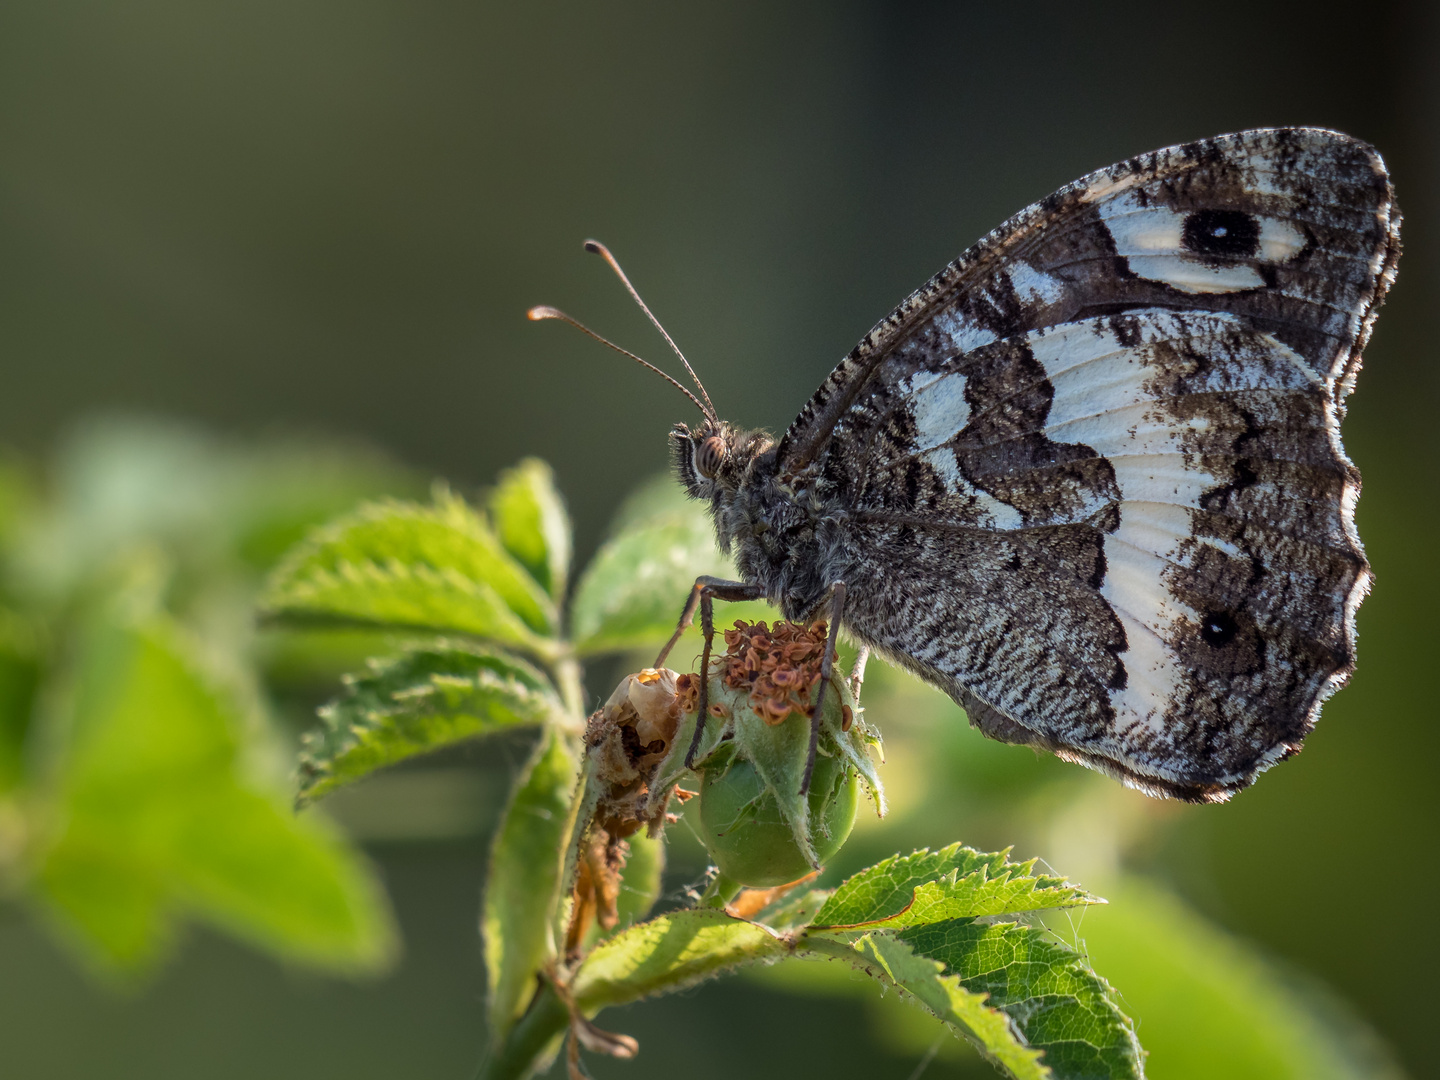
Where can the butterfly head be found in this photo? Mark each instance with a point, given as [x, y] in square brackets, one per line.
[713, 459]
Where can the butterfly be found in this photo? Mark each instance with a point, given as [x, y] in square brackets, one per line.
[1088, 479]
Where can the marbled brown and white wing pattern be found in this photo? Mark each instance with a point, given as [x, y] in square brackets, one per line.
[1091, 474]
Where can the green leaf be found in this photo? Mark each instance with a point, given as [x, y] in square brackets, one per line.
[669, 953]
[992, 1031]
[657, 499]
[531, 522]
[422, 700]
[522, 890]
[978, 895]
[1055, 1000]
[954, 882]
[631, 594]
[398, 564]
[157, 817]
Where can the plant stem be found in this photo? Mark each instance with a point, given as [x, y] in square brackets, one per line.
[720, 892]
[516, 1057]
[567, 680]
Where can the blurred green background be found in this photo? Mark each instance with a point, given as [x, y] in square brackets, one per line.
[330, 217]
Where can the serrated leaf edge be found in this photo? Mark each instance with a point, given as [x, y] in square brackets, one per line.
[1076, 896]
[998, 859]
[448, 509]
[313, 771]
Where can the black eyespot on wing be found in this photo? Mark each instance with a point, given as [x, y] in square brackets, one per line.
[1217, 628]
[1230, 233]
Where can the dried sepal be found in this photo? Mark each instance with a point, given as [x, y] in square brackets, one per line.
[597, 1040]
[750, 902]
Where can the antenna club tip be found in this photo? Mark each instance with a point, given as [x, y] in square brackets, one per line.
[595, 247]
[540, 312]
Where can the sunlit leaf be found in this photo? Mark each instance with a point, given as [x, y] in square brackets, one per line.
[116, 916]
[991, 1031]
[523, 886]
[157, 817]
[434, 567]
[1055, 1000]
[669, 953]
[954, 882]
[531, 522]
[424, 699]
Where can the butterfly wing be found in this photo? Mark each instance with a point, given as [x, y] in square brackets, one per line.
[1092, 471]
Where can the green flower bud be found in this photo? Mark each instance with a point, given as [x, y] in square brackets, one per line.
[757, 826]
[749, 836]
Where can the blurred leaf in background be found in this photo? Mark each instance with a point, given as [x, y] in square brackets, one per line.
[143, 781]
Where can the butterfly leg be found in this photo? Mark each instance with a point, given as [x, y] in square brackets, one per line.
[703, 595]
[721, 587]
[827, 666]
[857, 673]
[687, 616]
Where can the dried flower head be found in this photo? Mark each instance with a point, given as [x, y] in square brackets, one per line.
[628, 737]
[779, 666]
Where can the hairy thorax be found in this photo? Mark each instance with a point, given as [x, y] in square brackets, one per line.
[785, 529]
[782, 533]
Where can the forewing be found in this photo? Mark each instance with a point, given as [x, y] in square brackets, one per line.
[1294, 228]
[1095, 481]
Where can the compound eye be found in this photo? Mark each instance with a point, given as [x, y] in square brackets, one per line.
[710, 456]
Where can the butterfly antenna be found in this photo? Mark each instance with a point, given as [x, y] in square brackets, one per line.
[536, 314]
[597, 248]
